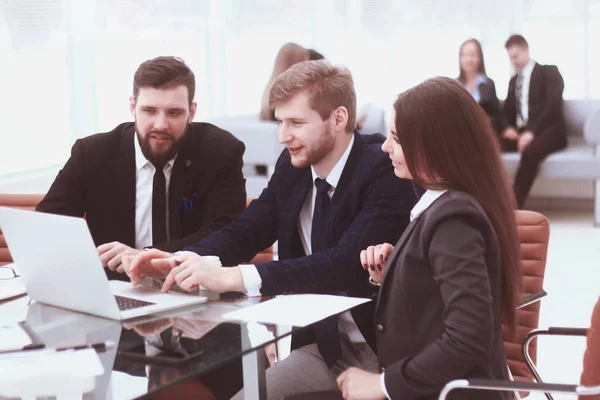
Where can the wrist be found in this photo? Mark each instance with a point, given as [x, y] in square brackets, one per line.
[234, 281]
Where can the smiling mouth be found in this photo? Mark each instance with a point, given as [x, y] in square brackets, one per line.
[294, 150]
[161, 138]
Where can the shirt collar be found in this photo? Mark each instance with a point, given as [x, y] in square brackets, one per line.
[480, 79]
[528, 68]
[424, 202]
[336, 173]
[140, 160]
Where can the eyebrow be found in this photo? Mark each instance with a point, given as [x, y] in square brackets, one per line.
[168, 109]
[290, 119]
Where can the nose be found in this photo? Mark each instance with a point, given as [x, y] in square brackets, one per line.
[385, 147]
[160, 122]
[284, 136]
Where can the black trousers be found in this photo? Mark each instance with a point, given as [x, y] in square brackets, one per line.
[545, 143]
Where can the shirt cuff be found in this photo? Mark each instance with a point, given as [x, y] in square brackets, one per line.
[252, 280]
[372, 282]
[382, 381]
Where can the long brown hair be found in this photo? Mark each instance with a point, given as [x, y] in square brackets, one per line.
[480, 68]
[449, 143]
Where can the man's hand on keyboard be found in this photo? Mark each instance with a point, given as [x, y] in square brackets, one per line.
[111, 255]
[142, 265]
[192, 270]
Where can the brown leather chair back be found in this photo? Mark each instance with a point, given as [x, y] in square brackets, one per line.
[534, 233]
[591, 358]
[23, 201]
[265, 255]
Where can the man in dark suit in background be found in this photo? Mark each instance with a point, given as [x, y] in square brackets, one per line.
[161, 181]
[535, 126]
[332, 193]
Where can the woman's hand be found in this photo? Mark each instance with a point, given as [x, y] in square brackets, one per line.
[374, 259]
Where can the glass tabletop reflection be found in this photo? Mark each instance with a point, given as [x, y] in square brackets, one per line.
[193, 350]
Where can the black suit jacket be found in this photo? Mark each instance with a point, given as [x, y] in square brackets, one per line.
[99, 182]
[370, 206]
[439, 315]
[545, 102]
[488, 100]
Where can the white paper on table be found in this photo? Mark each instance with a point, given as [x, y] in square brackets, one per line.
[33, 364]
[13, 337]
[11, 287]
[296, 309]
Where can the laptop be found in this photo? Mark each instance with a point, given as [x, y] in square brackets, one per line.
[59, 266]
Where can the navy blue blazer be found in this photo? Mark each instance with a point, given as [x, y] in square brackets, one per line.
[370, 206]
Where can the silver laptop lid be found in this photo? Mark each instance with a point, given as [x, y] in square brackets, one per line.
[58, 262]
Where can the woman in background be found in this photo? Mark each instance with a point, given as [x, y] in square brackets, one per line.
[289, 54]
[453, 278]
[473, 78]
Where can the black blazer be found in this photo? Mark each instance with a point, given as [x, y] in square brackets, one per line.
[545, 102]
[490, 103]
[438, 315]
[99, 181]
[370, 206]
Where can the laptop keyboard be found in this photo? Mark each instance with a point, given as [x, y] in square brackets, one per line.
[127, 303]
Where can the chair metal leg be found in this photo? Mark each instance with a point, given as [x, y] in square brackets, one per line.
[530, 336]
[510, 376]
[254, 367]
[552, 331]
[596, 203]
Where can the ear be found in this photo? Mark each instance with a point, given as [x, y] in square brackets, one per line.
[132, 106]
[340, 118]
[193, 108]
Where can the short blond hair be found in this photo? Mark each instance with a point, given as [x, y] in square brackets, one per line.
[328, 87]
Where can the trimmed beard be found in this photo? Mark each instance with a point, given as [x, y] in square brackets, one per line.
[160, 158]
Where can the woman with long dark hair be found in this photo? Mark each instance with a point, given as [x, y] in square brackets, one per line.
[453, 278]
[474, 78]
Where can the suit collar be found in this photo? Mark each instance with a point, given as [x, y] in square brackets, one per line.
[426, 200]
[125, 181]
[348, 171]
[186, 165]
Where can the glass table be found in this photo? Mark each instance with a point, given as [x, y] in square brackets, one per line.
[189, 350]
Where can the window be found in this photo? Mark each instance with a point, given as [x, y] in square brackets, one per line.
[68, 65]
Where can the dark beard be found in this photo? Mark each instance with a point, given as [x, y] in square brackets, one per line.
[160, 158]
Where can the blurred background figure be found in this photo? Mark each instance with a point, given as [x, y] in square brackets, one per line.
[474, 78]
[289, 54]
[535, 126]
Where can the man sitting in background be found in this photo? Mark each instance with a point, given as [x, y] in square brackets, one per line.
[533, 108]
[162, 181]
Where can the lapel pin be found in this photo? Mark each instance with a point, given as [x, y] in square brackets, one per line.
[188, 163]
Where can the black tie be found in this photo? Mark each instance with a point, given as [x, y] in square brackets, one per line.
[518, 89]
[159, 206]
[326, 331]
[318, 239]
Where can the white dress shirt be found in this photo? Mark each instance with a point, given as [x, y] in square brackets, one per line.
[144, 178]
[526, 73]
[250, 275]
[423, 204]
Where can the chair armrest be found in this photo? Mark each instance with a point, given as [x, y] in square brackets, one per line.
[565, 331]
[510, 386]
[527, 300]
[552, 331]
